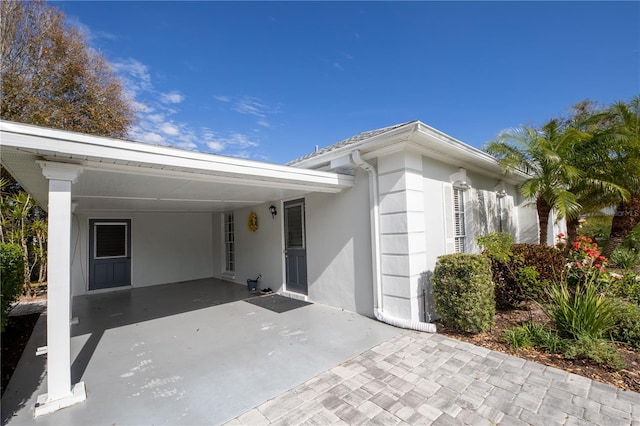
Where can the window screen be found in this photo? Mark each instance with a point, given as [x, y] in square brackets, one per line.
[110, 240]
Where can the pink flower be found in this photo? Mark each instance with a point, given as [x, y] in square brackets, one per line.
[561, 235]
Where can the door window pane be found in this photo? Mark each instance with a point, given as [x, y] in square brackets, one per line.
[110, 240]
[295, 226]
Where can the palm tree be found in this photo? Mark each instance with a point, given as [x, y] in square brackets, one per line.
[598, 189]
[542, 155]
[621, 141]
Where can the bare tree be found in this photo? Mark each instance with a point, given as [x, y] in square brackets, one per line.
[50, 77]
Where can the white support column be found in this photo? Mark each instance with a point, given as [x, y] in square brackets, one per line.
[60, 393]
[402, 234]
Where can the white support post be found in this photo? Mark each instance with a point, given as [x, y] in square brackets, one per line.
[60, 393]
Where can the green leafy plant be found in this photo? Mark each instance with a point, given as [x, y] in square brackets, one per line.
[626, 285]
[520, 271]
[625, 258]
[496, 245]
[531, 334]
[598, 350]
[463, 292]
[626, 327]
[583, 312]
[11, 276]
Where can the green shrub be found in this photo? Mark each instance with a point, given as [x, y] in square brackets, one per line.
[583, 312]
[598, 228]
[521, 271]
[598, 350]
[519, 337]
[530, 334]
[625, 286]
[463, 292]
[625, 258]
[11, 275]
[632, 240]
[626, 328]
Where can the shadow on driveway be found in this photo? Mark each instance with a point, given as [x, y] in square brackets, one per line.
[187, 353]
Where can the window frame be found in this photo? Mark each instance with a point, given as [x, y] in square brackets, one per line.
[229, 252]
[459, 218]
[95, 239]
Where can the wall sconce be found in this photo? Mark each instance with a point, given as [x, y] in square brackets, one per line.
[273, 211]
[461, 184]
[460, 180]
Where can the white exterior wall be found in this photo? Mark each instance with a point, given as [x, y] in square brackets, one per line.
[484, 213]
[339, 268]
[259, 252]
[165, 248]
[528, 229]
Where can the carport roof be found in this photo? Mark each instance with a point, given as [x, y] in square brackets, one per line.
[120, 175]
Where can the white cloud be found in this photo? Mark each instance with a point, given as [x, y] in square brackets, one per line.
[337, 66]
[215, 146]
[171, 97]
[134, 74]
[250, 105]
[157, 112]
[169, 129]
[152, 138]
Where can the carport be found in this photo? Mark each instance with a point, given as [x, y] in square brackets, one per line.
[71, 173]
[188, 353]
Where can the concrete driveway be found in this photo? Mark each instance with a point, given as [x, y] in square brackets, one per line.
[187, 353]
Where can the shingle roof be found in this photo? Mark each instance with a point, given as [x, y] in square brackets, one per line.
[350, 141]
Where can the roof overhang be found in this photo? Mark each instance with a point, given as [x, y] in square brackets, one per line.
[417, 137]
[129, 176]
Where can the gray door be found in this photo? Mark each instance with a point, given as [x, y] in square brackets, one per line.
[109, 253]
[295, 246]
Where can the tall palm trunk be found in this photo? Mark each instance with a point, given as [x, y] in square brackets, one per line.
[626, 217]
[572, 231]
[544, 211]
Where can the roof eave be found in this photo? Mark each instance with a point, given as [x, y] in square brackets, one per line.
[78, 147]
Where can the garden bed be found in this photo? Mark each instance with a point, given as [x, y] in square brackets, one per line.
[628, 378]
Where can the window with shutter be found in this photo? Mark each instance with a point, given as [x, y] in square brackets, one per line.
[458, 216]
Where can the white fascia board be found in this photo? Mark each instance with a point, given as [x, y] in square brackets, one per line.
[453, 148]
[110, 150]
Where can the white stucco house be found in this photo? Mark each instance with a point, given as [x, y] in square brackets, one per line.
[357, 225]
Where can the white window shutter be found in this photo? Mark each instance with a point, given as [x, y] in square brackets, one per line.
[447, 204]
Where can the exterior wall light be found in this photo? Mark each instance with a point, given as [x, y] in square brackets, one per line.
[461, 184]
[273, 211]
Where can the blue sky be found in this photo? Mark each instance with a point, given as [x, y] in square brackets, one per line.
[270, 80]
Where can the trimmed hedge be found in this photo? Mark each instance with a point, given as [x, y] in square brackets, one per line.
[463, 292]
[528, 272]
[11, 275]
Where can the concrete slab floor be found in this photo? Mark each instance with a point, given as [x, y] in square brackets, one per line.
[186, 353]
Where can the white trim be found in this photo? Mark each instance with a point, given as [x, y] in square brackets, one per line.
[114, 154]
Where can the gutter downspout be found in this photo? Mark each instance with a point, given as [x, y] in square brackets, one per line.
[375, 253]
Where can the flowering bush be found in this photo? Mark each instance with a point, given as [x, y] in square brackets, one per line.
[585, 263]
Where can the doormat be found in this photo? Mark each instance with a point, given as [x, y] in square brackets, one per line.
[277, 303]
